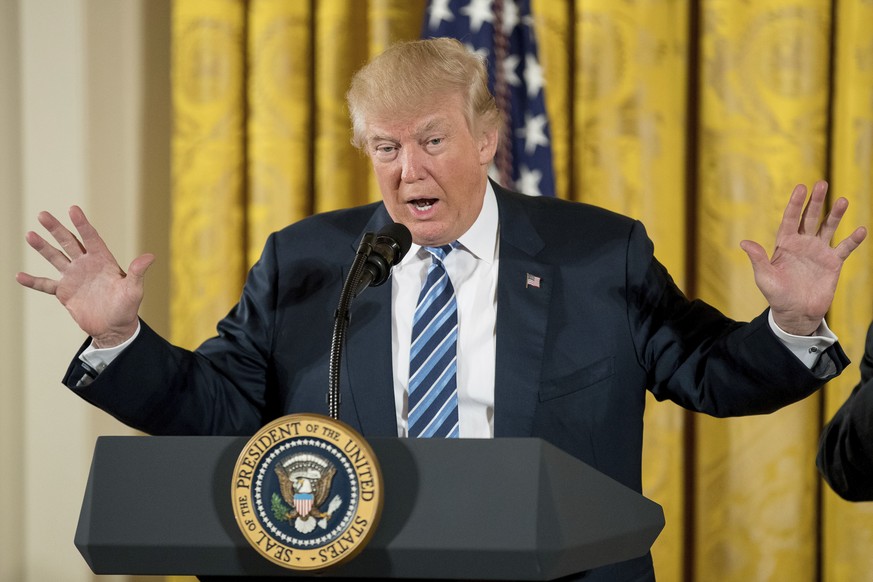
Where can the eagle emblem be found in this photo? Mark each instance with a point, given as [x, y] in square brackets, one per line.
[304, 482]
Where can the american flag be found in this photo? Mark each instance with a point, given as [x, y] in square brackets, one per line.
[532, 281]
[502, 31]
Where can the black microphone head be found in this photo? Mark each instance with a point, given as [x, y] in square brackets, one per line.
[398, 234]
[390, 245]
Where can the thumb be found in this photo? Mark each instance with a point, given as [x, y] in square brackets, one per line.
[140, 265]
[757, 254]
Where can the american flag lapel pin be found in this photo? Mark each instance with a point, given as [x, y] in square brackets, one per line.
[531, 281]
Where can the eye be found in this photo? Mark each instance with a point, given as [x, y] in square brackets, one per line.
[435, 141]
[385, 152]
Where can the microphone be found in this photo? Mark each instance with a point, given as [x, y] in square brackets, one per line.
[376, 254]
[389, 247]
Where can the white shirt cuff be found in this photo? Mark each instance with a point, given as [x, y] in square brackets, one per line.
[99, 358]
[808, 349]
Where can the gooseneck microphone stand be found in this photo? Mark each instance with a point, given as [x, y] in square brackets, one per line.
[341, 322]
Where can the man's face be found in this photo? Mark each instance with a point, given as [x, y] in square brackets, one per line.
[431, 169]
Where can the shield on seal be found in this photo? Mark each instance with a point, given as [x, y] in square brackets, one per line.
[303, 503]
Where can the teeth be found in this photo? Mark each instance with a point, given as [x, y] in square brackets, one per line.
[423, 205]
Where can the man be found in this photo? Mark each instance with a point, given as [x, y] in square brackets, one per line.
[564, 317]
[845, 454]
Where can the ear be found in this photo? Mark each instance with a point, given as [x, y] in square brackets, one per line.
[487, 146]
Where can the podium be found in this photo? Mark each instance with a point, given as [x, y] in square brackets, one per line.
[489, 509]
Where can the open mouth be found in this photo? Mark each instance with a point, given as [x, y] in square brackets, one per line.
[423, 204]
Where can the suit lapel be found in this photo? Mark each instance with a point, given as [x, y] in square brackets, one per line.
[367, 356]
[523, 293]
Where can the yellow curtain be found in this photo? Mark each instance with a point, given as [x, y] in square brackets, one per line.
[279, 124]
[697, 117]
[848, 527]
[763, 127]
[207, 232]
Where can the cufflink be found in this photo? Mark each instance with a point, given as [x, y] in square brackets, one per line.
[89, 374]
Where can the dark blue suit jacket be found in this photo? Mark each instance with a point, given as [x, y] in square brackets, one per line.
[845, 455]
[575, 355]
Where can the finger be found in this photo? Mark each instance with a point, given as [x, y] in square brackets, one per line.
[139, 266]
[850, 243]
[812, 213]
[832, 220]
[757, 254]
[91, 239]
[65, 238]
[793, 212]
[42, 284]
[57, 259]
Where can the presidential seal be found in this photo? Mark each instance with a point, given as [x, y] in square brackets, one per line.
[307, 492]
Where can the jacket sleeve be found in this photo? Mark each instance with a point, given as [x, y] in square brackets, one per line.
[845, 454]
[707, 362]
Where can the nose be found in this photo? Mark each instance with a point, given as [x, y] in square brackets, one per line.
[411, 165]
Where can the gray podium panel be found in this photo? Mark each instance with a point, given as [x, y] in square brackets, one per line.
[489, 509]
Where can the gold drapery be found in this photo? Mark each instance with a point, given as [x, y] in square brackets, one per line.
[697, 117]
[847, 530]
[762, 128]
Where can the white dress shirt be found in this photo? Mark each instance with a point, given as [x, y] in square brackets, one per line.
[472, 268]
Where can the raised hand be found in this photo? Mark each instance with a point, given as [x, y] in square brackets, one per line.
[800, 279]
[102, 299]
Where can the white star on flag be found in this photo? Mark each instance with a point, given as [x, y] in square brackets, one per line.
[479, 12]
[510, 16]
[439, 12]
[510, 64]
[529, 181]
[533, 76]
[533, 133]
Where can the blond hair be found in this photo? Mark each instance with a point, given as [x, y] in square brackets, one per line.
[397, 81]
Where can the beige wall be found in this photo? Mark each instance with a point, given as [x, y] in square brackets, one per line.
[84, 119]
[11, 396]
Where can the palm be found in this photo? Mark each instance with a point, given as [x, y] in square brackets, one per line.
[97, 294]
[800, 277]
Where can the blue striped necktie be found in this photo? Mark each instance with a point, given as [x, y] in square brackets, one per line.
[433, 389]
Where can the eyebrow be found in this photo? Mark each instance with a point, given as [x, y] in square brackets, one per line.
[430, 126]
[374, 138]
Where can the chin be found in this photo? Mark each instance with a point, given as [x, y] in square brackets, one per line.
[425, 241]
